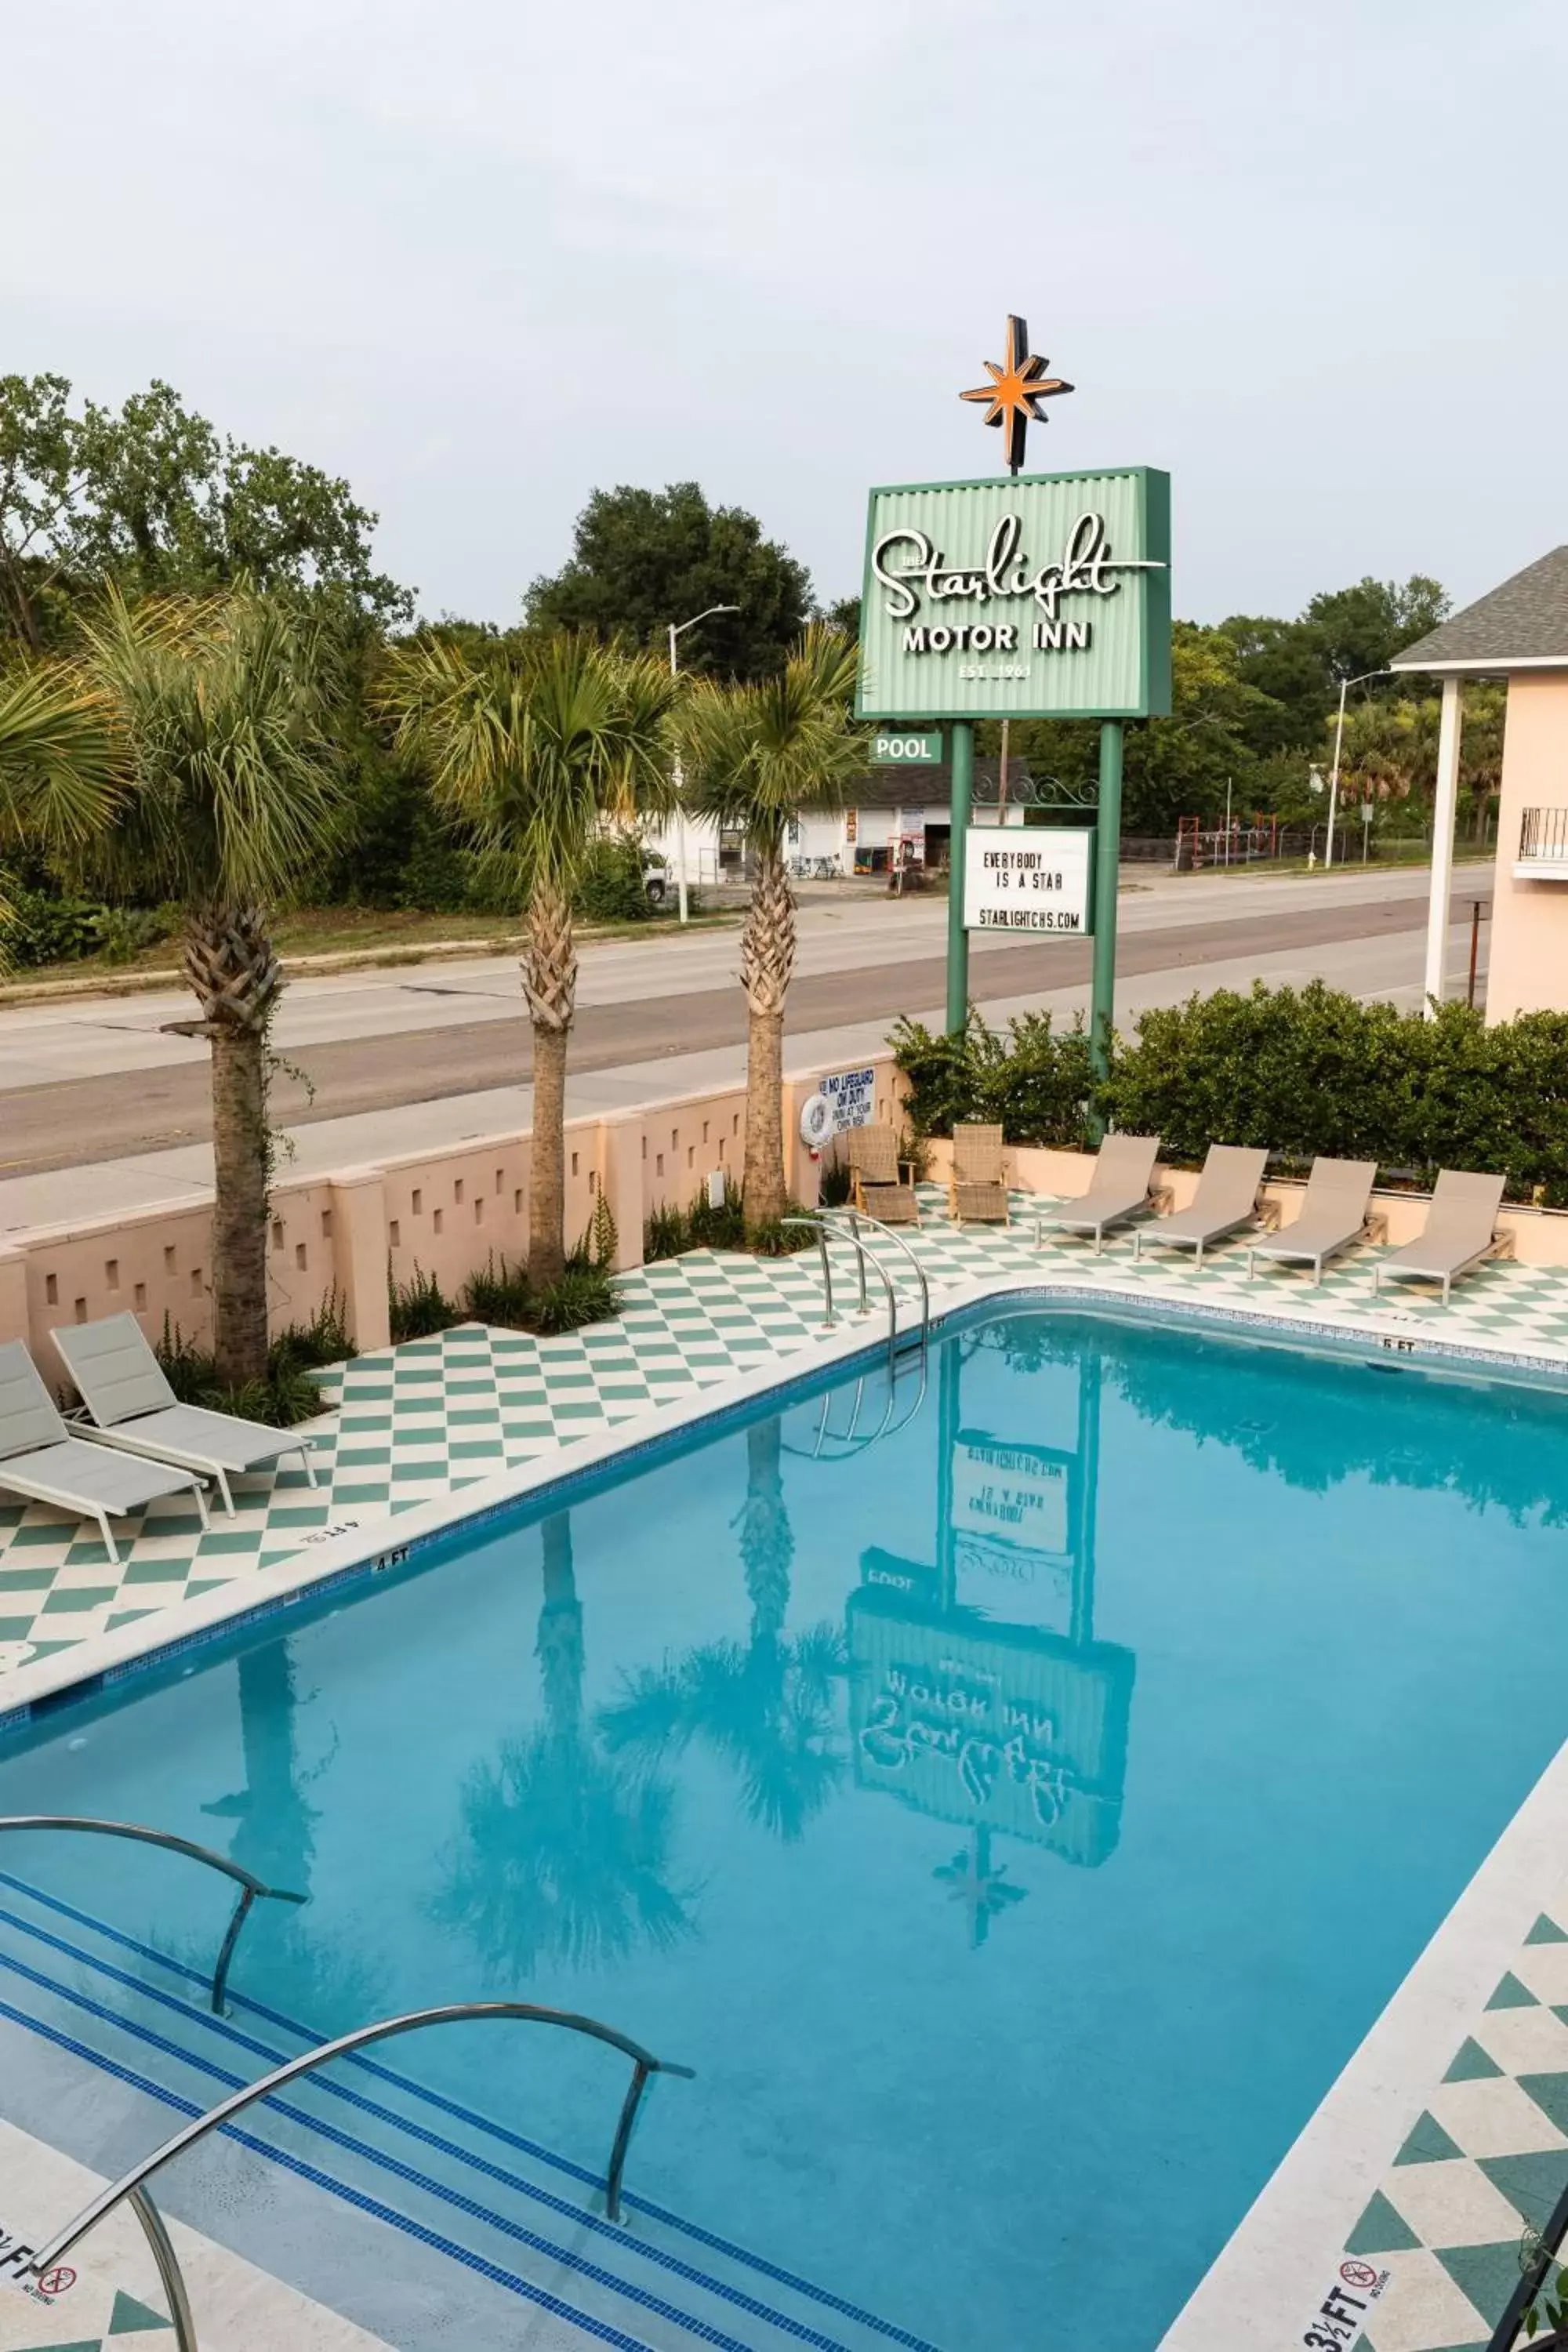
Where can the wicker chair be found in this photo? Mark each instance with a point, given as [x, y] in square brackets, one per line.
[977, 1191]
[881, 1185]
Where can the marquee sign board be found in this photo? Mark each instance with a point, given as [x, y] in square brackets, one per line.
[1044, 597]
[1037, 878]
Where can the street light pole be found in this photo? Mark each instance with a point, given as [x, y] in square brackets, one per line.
[1345, 684]
[677, 630]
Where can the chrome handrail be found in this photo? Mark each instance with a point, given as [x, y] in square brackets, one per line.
[131, 2185]
[823, 1225]
[250, 1886]
[858, 1217]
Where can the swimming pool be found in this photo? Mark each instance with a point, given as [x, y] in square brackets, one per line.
[1016, 1822]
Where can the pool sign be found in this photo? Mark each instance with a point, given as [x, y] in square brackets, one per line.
[1036, 878]
[1046, 596]
[904, 747]
[850, 1096]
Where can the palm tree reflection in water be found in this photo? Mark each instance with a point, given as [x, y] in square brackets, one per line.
[564, 1856]
[765, 1706]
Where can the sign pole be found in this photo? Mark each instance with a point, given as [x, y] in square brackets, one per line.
[957, 937]
[1107, 863]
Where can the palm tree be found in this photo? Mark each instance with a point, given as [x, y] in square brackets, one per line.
[765, 1706]
[565, 1855]
[224, 706]
[59, 765]
[533, 750]
[757, 754]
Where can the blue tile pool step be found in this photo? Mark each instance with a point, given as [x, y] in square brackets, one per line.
[472, 2200]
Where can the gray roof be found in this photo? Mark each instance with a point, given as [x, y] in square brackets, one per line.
[1524, 622]
[931, 787]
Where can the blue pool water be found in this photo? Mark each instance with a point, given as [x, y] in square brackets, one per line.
[1016, 1822]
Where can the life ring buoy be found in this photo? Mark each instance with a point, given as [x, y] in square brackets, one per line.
[817, 1124]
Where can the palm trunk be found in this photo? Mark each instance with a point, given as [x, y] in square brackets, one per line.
[230, 964]
[549, 984]
[767, 961]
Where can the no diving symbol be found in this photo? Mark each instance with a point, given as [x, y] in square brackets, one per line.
[57, 2281]
[1360, 2275]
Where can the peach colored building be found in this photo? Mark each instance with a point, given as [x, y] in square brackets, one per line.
[1518, 632]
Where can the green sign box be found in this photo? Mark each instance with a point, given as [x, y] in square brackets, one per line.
[1044, 597]
[906, 747]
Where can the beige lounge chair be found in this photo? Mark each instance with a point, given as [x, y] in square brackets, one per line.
[881, 1185]
[132, 1405]
[40, 1459]
[1461, 1230]
[1121, 1187]
[1335, 1211]
[976, 1192]
[1226, 1200]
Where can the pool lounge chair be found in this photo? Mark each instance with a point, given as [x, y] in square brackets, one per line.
[1121, 1187]
[132, 1406]
[881, 1185]
[41, 1460]
[976, 1192]
[1461, 1230]
[1226, 1200]
[1335, 1211]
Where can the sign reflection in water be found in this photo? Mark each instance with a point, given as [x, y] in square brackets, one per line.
[979, 1694]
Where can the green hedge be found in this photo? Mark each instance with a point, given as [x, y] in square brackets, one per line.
[1297, 1071]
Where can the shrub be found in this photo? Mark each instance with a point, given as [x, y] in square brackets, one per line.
[610, 889]
[286, 1394]
[670, 1232]
[1310, 1070]
[419, 1308]
[44, 927]
[1297, 1072]
[584, 1294]
[498, 1293]
[1035, 1080]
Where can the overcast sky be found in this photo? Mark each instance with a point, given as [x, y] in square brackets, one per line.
[484, 255]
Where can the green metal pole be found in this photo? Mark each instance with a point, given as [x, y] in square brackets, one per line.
[957, 937]
[1107, 863]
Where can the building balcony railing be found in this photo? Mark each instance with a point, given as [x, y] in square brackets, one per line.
[1542, 845]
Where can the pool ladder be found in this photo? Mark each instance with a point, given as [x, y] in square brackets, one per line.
[854, 1226]
[132, 2188]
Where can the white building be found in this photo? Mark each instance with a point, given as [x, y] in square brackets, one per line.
[891, 817]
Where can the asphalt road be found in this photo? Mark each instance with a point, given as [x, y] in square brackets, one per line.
[115, 1113]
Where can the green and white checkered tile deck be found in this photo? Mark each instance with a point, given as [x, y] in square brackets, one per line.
[1485, 2164]
[91, 2317]
[434, 1415]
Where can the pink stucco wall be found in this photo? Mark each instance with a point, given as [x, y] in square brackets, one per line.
[1528, 967]
[442, 1211]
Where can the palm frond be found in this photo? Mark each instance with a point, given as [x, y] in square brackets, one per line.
[756, 754]
[61, 759]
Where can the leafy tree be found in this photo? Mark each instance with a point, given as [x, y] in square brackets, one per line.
[532, 748]
[154, 499]
[224, 708]
[643, 559]
[754, 755]
[1362, 628]
[1172, 767]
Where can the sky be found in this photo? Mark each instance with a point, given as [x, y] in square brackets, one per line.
[483, 257]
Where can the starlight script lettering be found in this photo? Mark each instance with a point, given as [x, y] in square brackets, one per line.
[909, 563]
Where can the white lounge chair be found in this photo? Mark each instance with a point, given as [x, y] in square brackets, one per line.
[133, 1407]
[1226, 1200]
[1461, 1230]
[1121, 1187]
[1335, 1211]
[41, 1460]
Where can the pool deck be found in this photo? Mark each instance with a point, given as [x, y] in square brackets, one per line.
[1447, 2134]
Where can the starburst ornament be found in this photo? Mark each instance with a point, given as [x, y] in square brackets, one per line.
[1012, 398]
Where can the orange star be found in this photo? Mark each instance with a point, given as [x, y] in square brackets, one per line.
[1016, 390]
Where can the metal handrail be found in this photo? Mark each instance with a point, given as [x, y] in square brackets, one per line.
[250, 1886]
[858, 1217]
[131, 2185]
[822, 1226]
